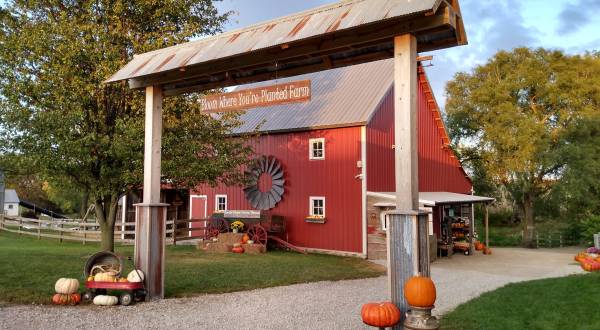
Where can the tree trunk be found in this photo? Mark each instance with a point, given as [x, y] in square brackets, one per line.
[108, 237]
[528, 220]
[106, 213]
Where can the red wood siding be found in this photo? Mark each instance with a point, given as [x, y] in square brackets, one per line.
[439, 170]
[333, 178]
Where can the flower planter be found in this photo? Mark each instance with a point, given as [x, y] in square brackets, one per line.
[315, 220]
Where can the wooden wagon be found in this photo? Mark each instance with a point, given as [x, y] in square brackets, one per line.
[261, 227]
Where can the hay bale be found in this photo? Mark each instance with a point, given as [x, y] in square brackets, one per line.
[254, 248]
[230, 238]
[218, 247]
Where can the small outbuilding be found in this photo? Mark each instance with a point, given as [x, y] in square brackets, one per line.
[11, 203]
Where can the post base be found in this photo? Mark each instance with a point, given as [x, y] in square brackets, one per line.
[150, 246]
[420, 319]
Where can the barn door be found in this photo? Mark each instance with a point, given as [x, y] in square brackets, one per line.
[198, 211]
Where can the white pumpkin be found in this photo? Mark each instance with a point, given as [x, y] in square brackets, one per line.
[105, 277]
[135, 276]
[103, 300]
[66, 286]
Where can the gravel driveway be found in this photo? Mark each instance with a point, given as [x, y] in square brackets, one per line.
[321, 305]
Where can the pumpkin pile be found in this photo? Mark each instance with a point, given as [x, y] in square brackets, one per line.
[480, 246]
[66, 292]
[589, 260]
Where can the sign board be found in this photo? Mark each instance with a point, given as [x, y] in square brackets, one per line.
[247, 214]
[289, 92]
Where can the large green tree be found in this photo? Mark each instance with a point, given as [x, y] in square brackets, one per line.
[517, 119]
[58, 119]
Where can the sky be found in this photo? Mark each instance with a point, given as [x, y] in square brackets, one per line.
[491, 25]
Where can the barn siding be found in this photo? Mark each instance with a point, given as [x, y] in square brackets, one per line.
[439, 170]
[333, 178]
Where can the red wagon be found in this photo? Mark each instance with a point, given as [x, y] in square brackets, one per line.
[129, 292]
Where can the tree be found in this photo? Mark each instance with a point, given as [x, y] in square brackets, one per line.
[516, 115]
[58, 119]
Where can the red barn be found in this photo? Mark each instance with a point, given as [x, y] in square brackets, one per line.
[336, 152]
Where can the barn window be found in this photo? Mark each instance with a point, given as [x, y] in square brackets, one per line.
[10, 206]
[317, 206]
[220, 203]
[317, 148]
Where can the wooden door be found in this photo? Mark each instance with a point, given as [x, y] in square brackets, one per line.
[198, 205]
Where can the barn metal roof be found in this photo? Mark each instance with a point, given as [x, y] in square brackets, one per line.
[340, 97]
[432, 198]
[10, 196]
[343, 33]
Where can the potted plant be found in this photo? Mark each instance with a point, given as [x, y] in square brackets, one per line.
[237, 226]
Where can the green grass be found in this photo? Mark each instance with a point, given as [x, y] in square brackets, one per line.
[558, 303]
[29, 268]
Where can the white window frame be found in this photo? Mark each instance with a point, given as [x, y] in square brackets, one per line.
[311, 205]
[217, 203]
[311, 143]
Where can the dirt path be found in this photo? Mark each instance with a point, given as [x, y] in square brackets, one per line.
[321, 305]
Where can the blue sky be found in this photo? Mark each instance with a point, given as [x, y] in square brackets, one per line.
[571, 25]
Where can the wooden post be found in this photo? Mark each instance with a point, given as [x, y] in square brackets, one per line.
[487, 226]
[406, 239]
[61, 232]
[151, 214]
[175, 232]
[20, 221]
[560, 240]
[405, 125]
[84, 231]
[39, 230]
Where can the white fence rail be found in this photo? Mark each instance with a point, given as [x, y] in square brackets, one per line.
[73, 229]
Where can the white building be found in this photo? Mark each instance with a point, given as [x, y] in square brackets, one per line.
[11, 203]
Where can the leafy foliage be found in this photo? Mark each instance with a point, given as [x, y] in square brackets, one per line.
[519, 117]
[58, 119]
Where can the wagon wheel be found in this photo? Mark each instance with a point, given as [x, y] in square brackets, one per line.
[258, 234]
[215, 227]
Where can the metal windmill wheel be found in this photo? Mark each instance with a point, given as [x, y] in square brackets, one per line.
[265, 200]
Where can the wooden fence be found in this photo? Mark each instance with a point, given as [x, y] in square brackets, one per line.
[552, 240]
[89, 231]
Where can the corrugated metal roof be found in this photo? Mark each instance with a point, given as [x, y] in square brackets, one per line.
[10, 196]
[326, 19]
[340, 97]
[436, 198]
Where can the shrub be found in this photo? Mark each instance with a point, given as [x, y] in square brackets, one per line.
[590, 226]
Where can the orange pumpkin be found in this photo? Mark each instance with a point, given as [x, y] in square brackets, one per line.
[381, 315]
[587, 266]
[66, 299]
[487, 250]
[245, 239]
[419, 291]
[237, 249]
[479, 246]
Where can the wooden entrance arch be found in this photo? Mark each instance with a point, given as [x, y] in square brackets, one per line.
[345, 33]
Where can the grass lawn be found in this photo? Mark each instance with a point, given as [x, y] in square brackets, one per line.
[558, 303]
[29, 268]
